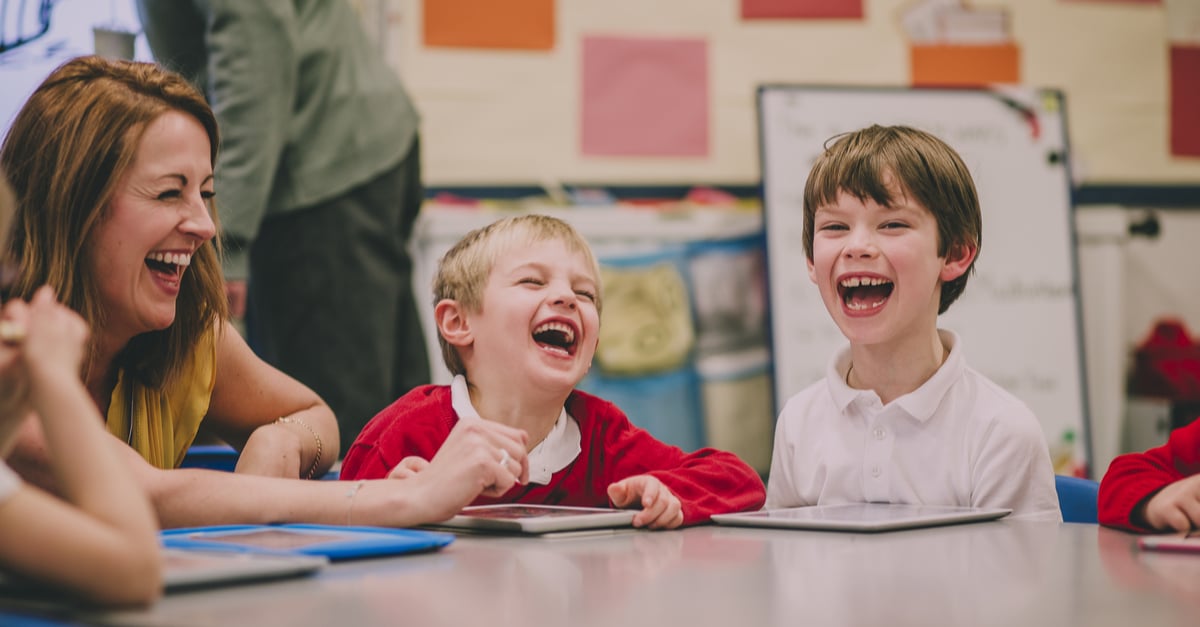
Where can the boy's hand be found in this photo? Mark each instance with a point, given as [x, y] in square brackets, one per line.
[408, 467]
[660, 508]
[1176, 506]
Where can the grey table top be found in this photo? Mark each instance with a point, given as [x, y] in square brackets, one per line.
[993, 573]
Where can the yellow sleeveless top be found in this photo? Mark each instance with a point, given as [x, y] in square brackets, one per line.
[165, 421]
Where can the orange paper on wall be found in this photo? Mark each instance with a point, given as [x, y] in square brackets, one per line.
[520, 24]
[965, 65]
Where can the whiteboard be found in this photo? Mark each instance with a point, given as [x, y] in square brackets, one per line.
[1019, 318]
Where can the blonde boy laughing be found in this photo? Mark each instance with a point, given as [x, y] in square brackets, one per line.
[518, 316]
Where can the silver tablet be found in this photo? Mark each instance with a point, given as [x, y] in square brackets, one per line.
[861, 517]
[187, 568]
[537, 518]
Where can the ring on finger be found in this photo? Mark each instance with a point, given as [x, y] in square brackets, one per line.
[504, 457]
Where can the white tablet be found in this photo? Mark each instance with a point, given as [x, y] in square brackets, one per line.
[861, 517]
[185, 569]
[537, 519]
[1174, 542]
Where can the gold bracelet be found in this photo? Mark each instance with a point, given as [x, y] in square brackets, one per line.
[312, 469]
[350, 494]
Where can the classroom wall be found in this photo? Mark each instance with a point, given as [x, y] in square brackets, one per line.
[497, 117]
[511, 117]
[493, 116]
[1127, 284]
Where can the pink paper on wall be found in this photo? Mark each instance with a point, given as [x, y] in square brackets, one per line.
[645, 97]
[1185, 100]
[802, 8]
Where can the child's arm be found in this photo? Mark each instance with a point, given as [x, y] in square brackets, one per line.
[781, 486]
[706, 482]
[1176, 506]
[1135, 480]
[102, 542]
[1012, 468]
[397, 443]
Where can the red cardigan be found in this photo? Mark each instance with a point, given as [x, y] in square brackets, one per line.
[1135, 477]
[707, 481]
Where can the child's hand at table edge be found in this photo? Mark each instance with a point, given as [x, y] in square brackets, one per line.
[661, 509]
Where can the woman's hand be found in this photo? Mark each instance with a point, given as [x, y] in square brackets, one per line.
[45, 346]
[478, 458]
[55, 339]
[14, 380]
[14, 385]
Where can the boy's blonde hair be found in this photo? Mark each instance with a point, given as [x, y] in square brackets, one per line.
[463, 271]
[920, 166]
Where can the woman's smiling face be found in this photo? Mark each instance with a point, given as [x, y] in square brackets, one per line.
[157, 218]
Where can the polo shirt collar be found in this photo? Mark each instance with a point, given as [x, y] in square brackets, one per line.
[922, 402]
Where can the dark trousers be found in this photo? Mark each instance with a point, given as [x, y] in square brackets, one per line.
[330, 296]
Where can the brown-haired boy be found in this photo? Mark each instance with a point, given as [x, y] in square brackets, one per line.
[892, 228]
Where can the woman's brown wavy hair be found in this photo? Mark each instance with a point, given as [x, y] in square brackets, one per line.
[68, 149]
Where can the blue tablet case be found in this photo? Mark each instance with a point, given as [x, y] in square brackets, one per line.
[334, 542]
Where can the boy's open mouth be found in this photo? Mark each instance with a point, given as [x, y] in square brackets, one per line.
[555, 336]
[861, 293]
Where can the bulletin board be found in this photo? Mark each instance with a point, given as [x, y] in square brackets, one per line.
[1019, 318]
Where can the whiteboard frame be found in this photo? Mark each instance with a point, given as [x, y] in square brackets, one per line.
[1013, 98]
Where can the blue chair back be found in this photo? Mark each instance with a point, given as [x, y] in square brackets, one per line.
[210, 456]
[1077, 498]
[225, 457]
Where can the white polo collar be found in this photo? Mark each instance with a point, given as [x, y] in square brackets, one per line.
[551, 455]
[922, 402]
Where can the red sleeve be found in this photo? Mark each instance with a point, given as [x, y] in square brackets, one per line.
[1135, 477]
[418, 423]
[706, 482]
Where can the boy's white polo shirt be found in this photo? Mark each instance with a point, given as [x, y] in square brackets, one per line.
[958, 439]
[559, 448]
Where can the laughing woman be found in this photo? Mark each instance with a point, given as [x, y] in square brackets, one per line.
[112, 163]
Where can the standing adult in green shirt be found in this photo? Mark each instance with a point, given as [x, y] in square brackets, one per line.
[319, 184]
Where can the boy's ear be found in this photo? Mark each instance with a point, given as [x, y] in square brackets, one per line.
[812, 271]
[452, 323]
[958, 261]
